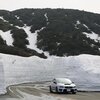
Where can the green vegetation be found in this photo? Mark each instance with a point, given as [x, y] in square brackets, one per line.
[19, 36]
[20, 52]
[2, 42]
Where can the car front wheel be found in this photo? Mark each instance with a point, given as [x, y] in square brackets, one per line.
[57, 90]
[50, 89]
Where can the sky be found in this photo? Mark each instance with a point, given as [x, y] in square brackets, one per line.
[87, 5]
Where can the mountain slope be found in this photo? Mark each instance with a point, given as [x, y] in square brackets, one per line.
[60, 32]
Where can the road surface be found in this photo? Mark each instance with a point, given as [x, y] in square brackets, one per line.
[40, 91]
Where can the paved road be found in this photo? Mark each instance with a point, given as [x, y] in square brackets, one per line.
[40, 91]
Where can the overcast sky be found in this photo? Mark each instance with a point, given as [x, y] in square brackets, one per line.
[87, 5]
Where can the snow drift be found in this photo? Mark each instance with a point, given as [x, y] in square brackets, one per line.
[84, 70]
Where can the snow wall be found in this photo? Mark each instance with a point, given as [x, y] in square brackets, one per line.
[84, 70]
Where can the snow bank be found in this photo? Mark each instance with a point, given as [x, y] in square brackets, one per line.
[84, 70]
[2, 79]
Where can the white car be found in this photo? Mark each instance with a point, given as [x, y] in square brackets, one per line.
[63, 85]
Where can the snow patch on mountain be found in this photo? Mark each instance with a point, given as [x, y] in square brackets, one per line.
[7, 37]
[47, 19]
[97, 24]
[1, 17]
[86, 26]
[92, 36]
[32, 38]
[17, 17]
[77, 23]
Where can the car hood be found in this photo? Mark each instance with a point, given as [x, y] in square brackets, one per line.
[68, 85]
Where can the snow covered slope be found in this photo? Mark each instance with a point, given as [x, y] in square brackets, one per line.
[7, 37]
[32, 38]
[84, 70]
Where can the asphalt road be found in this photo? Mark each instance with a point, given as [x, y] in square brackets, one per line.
[40, 91]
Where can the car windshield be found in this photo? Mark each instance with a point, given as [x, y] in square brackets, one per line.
[63, 81]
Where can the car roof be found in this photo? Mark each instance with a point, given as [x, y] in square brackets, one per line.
[62, 78]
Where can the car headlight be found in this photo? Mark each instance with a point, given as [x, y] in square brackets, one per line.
[74, 87]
